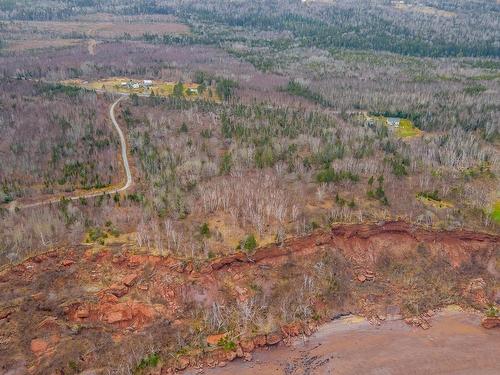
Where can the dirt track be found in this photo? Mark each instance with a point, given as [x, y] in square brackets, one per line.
[455, 344]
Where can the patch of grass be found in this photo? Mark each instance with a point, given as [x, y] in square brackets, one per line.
[158, 88]
[495, 214]
[428, 200]
[407, 129]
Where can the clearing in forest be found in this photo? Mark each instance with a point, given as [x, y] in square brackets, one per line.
[146, 87]
[431, 198]
[402, 127]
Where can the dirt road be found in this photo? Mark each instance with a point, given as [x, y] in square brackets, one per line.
[112, 190]
[455, 344]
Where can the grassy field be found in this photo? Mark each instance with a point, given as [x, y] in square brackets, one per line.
[434, 203]
[31, 44]
[407, 129]
[495, 214]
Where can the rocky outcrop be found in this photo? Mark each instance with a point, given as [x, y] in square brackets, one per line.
[118, 297]
[491, 322]
[360, 240]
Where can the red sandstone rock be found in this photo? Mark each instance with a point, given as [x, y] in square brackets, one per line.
[491, 322]
[292, 330]
[231, 356]
[49, 324]
[118, 313]
[82, 312]
[182, 363]
[239, 352]
[130, 280]
[39, 346]
[39, 258]
[38, 296]
[247, 345]
[273, 338]
[118, 290]
[67, 262]
[260, 340]
[117, 259]
[5, 313]
[109, 298]
[134, 261]
[213, 340]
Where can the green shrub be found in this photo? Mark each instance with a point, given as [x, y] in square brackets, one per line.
[150, 361]
[249, 243]
[226, 163]
[429, 195]
[183, 128]
[225, 88]
[97, 235]
[330, 175]
[205, 230]
[492, 311]
[178, 90]
[227, 344]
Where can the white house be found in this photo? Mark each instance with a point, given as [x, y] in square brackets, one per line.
[393, 121]
[147, 82]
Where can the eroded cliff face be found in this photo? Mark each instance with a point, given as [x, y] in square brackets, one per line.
[104, 308]
[364, 243]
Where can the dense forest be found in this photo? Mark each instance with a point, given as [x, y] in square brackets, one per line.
[470, 28]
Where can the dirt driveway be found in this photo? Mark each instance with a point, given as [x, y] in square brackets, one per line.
[455, 344]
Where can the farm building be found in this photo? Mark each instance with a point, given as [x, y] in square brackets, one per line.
[193, 91]
[147, 83]
[393, 121]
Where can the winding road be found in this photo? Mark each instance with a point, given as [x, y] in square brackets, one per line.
[123, 145]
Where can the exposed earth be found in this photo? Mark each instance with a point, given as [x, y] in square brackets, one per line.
[455, 344]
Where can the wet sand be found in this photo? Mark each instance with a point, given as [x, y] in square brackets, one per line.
[455, 344]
